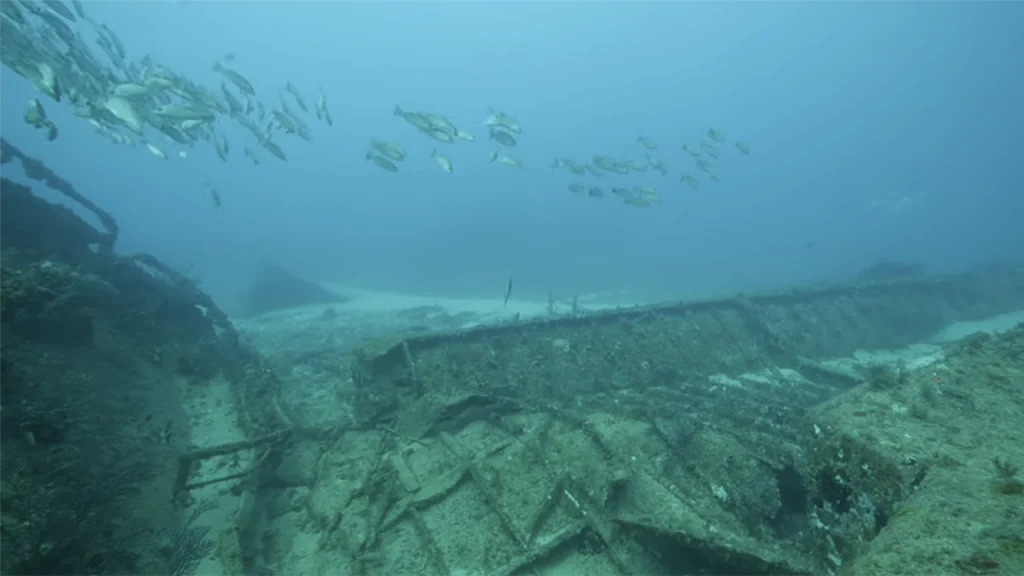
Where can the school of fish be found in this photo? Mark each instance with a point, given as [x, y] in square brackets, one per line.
[144, 103]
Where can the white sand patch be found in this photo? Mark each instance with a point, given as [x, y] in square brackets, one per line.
[485, 310]
[379, 301]
[993, 325]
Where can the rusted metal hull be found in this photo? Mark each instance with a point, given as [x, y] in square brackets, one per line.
[661, 344]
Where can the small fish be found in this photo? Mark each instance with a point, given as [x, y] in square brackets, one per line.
[273, 149]
[690, 181]
[657, 165]
[322, 112]
[648, 194]
[236, 107]
[418, 120]
[51, 131]
[35, 115]
[743, 147]
[647, 142]
[215, 197]
[388, 150]
[502, 120]
[79, 9]
[235, 78]
[187, 125]
[159, 82]
[443, 160]
[220, 143]
[508, 291]
[462, 134]
[248, 153]
[440, 135]
[11, 10]
[577, 188]
[499, 158]
[603, 162]
[624, 193]
[45, 80]
[125, 112]
[299, 99]
[624, 167]
[503, 138]
[60, 8]
[156, 151]
[575, 167]
[716, 135]
[382, 162]
[695, 152]
[130, 90]
[441, 123]
[180, 112]
[595, 192]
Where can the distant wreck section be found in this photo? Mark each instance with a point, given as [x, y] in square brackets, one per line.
[278, 289]
[98, 352]
[675, 342]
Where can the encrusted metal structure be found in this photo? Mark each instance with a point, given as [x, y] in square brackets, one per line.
[658, 439]
[94, 347]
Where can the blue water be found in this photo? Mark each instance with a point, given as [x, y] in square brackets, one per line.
[844, 104]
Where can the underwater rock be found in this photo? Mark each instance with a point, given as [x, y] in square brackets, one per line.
[278, 289]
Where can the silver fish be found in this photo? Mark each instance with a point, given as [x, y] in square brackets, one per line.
[382, 162]
[443, 161]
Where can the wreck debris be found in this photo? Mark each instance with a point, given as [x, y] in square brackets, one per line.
[187, 291]
[94, 349]
[674, 438]
[276, 288]
[36, 170]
